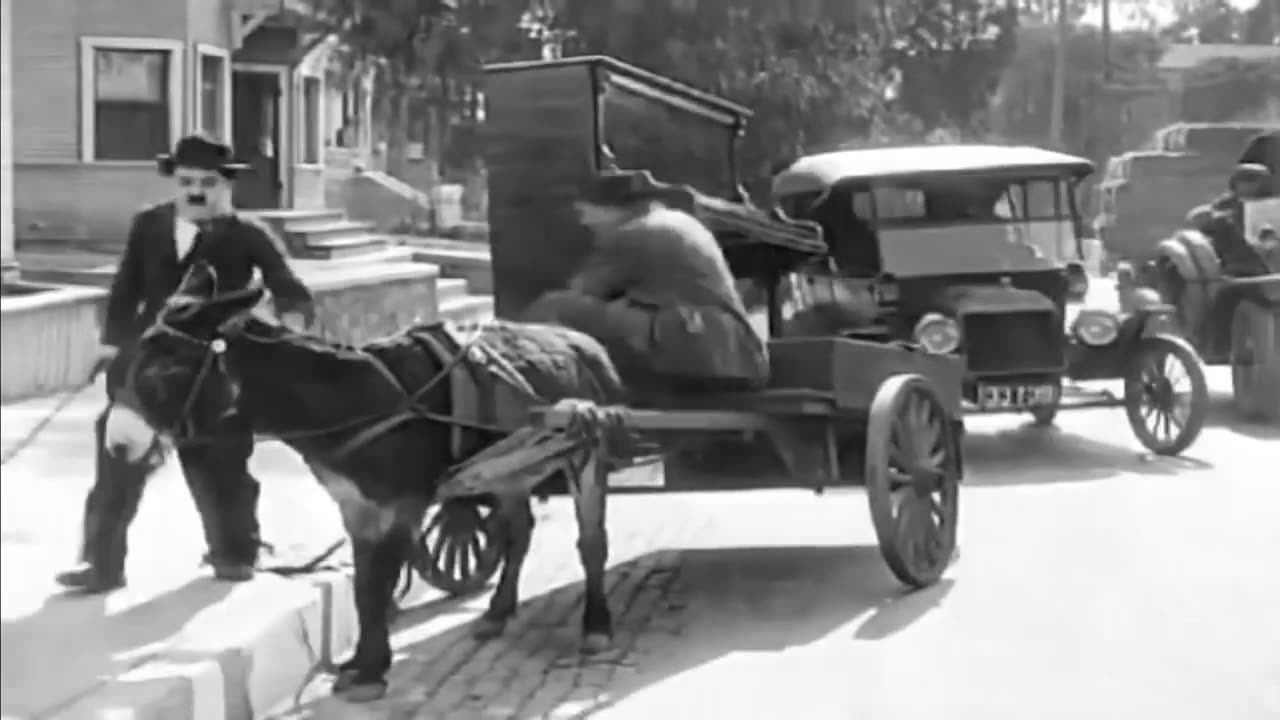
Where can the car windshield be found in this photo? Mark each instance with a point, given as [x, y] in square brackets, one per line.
[947, 226]
[980, 200]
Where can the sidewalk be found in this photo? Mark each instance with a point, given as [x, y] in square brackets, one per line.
[174, 643]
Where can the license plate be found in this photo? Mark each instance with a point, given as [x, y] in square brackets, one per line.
[1011, 397]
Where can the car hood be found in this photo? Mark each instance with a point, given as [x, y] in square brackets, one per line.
[966, 299]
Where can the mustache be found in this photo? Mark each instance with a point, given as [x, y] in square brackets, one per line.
[197, 199]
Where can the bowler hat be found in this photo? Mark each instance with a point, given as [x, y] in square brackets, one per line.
[202, 153]
[621, 187]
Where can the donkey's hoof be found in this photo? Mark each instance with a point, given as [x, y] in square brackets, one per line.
[596, 643]
[362, 692]
[344, 679]
[487, 628]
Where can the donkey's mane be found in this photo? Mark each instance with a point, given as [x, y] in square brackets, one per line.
[265, 330]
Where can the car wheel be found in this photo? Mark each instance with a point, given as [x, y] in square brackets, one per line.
[1166, 398]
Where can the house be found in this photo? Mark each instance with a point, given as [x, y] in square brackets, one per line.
[102, 87]
[6, 141]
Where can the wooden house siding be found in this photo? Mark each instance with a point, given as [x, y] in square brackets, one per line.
[57, 197]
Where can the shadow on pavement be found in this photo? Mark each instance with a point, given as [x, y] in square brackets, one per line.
[1029, 455]
[671, 617]
[1222, 414]
[73, 643]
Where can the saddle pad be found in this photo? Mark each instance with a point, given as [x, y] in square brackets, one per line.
[485, 391]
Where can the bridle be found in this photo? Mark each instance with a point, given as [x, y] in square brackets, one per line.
[369, 426]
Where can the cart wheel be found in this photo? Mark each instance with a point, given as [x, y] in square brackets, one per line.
[1165, 395]
[912, 478]
[459, 549]
[1255, 361]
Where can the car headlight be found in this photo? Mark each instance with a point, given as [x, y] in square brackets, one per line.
[1096, 327]
[938, 333]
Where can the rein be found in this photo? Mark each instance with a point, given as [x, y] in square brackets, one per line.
[372, 424]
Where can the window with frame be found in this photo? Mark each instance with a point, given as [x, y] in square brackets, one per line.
[132, 105]
[312, 106]
[214, 93]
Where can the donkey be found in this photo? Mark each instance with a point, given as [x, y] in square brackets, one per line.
[374, 425]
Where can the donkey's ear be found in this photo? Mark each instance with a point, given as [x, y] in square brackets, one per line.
[200, 282]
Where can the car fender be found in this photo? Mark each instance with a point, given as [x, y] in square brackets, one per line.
[1147, 321]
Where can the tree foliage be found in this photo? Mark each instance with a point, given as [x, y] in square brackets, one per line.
[950, 56]
[1220, 21]
[816, 75]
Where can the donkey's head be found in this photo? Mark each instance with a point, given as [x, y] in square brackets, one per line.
[179, 375]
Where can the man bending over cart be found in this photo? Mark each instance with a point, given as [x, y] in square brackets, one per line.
[656, 291]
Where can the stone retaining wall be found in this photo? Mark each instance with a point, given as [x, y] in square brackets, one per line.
[49, 337]
[47, 340]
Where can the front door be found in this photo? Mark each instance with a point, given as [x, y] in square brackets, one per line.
[256, 133]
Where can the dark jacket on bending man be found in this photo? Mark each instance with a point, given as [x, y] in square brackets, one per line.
[658, 294]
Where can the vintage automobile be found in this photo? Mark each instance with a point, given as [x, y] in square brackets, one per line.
[973, 250]
[1222, 275]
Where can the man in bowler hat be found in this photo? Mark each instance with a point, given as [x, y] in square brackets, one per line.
[164, 241]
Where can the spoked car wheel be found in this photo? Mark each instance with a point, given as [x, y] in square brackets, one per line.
[912, 476]
[1165, 395]
[459, 552]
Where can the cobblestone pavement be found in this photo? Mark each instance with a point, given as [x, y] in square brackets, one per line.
[1094, 582]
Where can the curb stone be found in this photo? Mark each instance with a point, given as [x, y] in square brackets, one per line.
[237, 660]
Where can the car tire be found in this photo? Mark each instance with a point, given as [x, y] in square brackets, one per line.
[1255, 361]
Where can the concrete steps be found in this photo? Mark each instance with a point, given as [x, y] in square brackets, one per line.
[324, 234]
[472, 261]
[467, 308]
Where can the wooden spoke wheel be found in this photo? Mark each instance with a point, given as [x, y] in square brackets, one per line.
[459, 548]
[1166, 398]
[912, 476]
[1255, 361]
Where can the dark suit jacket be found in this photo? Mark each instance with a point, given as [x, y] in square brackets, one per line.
[150, 270]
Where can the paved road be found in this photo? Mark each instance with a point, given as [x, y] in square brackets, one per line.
[1093, 583]
[55, 649]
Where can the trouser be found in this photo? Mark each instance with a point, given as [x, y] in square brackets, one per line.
[653, 356]
[225, 494]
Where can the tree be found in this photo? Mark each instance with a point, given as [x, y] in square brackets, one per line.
[950, 55]
[1020, 108]
[427, 55]
[811, 82]
[816, 75]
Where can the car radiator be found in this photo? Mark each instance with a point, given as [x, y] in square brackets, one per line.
[1013, 342]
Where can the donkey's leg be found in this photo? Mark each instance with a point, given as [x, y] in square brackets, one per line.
[593, 549]
[516, 516]
[378, 563]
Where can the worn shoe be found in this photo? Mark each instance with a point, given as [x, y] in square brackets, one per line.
[233, 572]
[89, 579]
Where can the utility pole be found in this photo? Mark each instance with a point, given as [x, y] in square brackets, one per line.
[1058, 107]
[1106, 42]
